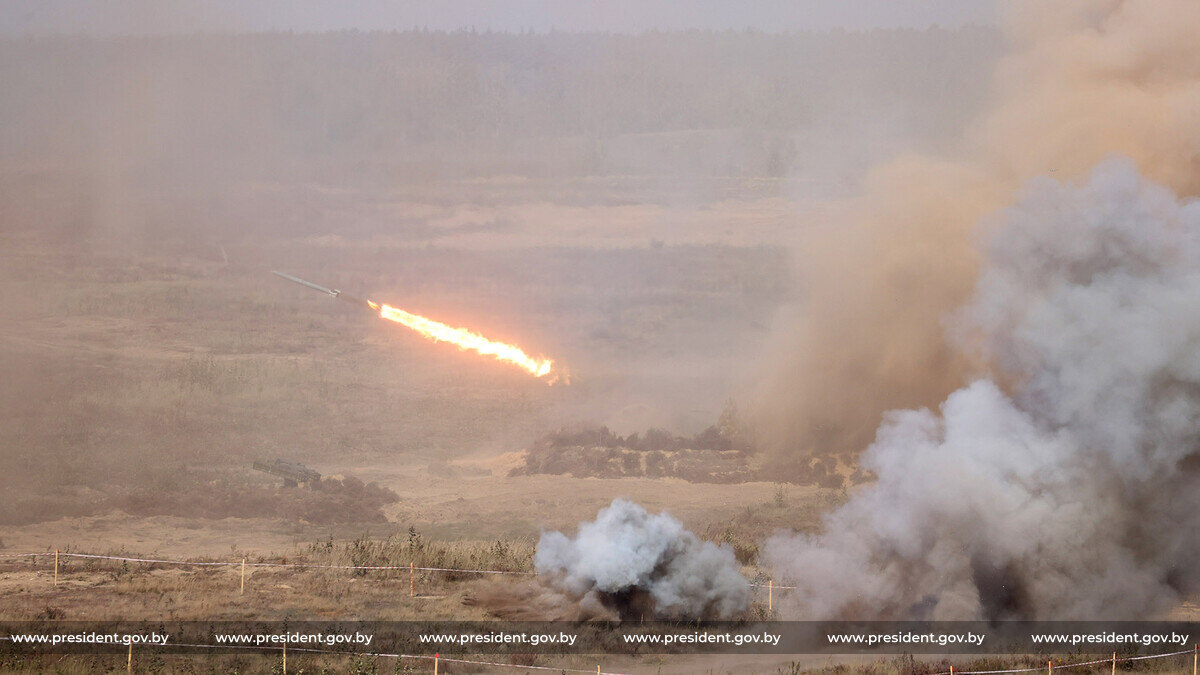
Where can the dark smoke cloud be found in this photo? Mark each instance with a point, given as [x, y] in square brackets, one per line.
[642, 565]
[1077, 495]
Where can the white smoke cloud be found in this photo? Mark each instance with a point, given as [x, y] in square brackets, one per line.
[628, 559]
[1077, 495]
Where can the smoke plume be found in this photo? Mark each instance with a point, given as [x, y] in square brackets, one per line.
[1084, 80]
[637, 565]
[1078, 494]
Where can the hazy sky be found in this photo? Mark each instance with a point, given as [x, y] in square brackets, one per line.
[107, 17]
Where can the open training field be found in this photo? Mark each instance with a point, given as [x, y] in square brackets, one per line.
[150, 383]
[889, 321]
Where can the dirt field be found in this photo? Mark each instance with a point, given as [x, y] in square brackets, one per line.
[143, 374]
[144, 370]
[150, 368]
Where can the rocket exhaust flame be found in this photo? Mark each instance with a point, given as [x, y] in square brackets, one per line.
[440, 332]
[465, 339]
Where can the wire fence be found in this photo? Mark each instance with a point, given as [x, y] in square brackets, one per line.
[247, 563]
[239, 563]
[770, 585]
[1051, 667]
[436, 659]
[424, 657]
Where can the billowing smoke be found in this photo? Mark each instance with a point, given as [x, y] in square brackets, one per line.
[1077, 495]
[1084, 80]
[641, 565]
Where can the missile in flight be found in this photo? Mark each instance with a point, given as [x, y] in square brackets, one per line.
[440, 332]
[331, 291]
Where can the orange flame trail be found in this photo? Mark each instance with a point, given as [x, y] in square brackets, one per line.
[465, 339]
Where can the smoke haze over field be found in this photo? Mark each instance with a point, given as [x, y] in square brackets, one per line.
[1084, 80]
[1078, 495]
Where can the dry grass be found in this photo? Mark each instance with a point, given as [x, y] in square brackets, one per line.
[916, 665]
[98, 590]
[104, 589]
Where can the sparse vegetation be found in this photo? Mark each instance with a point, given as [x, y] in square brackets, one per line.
[908, 664]
[215, 495]
[412, 547]
[722, 453]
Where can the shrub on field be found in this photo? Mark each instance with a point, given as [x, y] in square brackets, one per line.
[330, 500]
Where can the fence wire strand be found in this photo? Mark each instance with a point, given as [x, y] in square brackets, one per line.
[238, 563]
[1122, 659]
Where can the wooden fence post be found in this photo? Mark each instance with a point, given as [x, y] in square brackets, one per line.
[242, 590]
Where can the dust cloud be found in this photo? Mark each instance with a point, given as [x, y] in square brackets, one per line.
[1082, 81]
[1073, 492]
